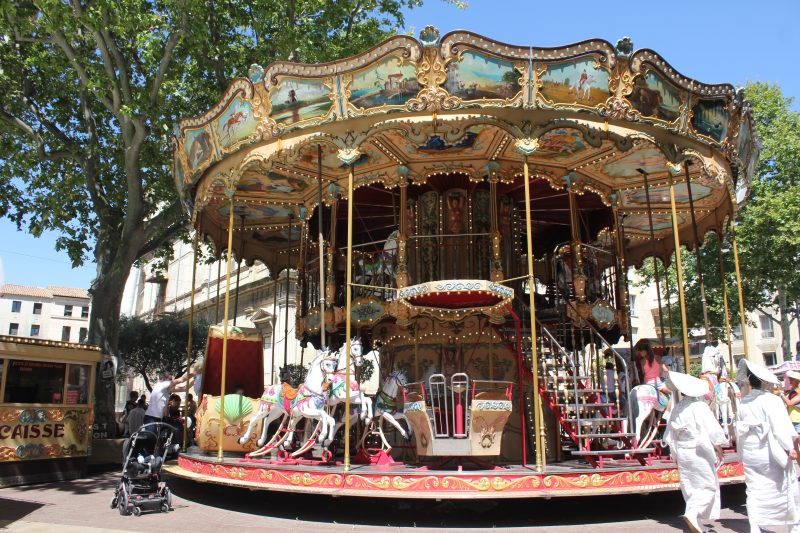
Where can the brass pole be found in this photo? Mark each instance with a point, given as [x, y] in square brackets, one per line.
[274, 325]
[238, 272]
[221, 433]
[725, 300]
[679, 268]
[623, 275]
[321, 248]
[739, 287]
[286, 315]
[189, 342]
[537, 409]
[703, 299]
[655, 261]
[219, 275]
[347, 321]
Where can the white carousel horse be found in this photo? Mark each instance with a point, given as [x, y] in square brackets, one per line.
[646, 403]
[386, 404]
[340, 389]
[308, 402]
[727, 396]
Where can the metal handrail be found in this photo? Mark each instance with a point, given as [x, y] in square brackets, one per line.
[617, 356]
[566, 355]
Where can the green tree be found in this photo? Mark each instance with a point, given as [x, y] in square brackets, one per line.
[768, 231]
[149, 347]
[91, 90]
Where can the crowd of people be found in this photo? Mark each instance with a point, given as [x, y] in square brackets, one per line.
[164, 406]
[767, 437]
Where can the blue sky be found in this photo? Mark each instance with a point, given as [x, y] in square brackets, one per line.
[712, 41]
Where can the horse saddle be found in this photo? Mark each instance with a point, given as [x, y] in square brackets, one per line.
[288, 392]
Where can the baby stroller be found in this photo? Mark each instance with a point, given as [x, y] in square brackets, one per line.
[140, 486]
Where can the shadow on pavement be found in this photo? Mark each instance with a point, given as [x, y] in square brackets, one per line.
[665, 507]
[12, 510]
[90, 485]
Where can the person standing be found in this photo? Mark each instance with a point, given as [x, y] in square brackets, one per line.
[135, 418]
[792, 398]
[767, 442]
[161, 393]
[695, 440]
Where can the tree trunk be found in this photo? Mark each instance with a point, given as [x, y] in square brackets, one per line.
[106, 294]
[785, 334]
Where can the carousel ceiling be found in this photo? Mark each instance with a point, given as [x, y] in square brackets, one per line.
[605, 117]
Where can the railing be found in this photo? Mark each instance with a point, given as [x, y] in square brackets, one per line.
[599, 270]
[448, 403]
[449, 256]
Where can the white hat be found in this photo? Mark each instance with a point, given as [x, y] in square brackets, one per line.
[687, 385]
[792, 374]
[759, 371]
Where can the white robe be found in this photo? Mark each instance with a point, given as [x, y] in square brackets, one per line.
[764, 437]
[691, 433]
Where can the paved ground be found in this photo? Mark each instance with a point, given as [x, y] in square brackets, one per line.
[82, 506]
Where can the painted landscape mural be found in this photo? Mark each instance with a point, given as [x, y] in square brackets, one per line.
[577, 82]
[236, 123]
[710, 118]
[560, 144]
[476, 76]
[389, 83]
[297, 100]
[652, 97]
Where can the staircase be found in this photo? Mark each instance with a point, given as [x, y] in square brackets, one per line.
[592, 423]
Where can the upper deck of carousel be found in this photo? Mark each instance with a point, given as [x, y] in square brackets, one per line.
[462, 111]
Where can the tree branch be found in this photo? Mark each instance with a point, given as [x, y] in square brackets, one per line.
[60, 40]
[44, 154]
[166, 58]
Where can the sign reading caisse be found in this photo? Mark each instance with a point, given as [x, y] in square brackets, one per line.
[28, 433]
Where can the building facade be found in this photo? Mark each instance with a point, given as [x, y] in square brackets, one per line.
[764, 336]
[50, 313]
[263, 303]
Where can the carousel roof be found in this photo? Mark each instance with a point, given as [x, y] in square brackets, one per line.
[604, 117]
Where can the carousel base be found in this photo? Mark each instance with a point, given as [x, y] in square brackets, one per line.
[568, 478]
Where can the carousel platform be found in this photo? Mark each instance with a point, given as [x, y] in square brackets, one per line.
[567, 478]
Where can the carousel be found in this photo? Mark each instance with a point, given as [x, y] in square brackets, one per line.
[461, 215]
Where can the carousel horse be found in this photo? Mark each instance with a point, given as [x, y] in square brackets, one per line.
[386, 403]
[647, 404]
[726, 396]
[307, 401]
[340, 389]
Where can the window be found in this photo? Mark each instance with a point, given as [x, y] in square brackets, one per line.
[85, 311]
[34, 382]
[770, 359]
[16, 306]
[83, 334]
[67, 310]
[37, 308]
[78, 385]
[633, 304]
[35, 330]
[65, 331]
[13, 329]
[767, 330]
[634, 331]
[736, 332]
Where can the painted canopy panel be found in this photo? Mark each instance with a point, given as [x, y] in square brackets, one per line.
[458, 107]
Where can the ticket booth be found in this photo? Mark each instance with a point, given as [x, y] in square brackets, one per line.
[46, 391]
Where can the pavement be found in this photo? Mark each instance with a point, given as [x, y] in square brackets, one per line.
[83, 506]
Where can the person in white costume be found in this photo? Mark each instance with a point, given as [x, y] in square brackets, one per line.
[767, 443]
[695, 440]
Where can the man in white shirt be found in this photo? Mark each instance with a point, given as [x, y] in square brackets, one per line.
[160, 394]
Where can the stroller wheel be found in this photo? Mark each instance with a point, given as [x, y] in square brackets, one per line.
[122, 504]
[114, 501]
[165, 507]
[137, 511]
[168, 498]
